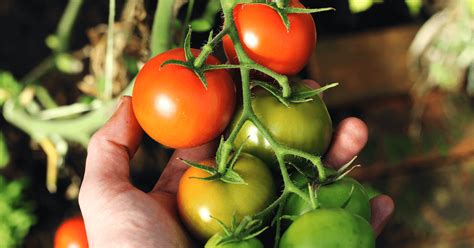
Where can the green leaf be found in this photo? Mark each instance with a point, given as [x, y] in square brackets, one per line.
[273, 90]
[205, 168]
[187, 46]
[4, 155]
[233, 177]
[291, 10]
[307, 95]
[226, 230]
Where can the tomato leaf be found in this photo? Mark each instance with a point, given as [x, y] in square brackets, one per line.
[307, 95]
[205, 168]
[187, 46]
[273, 90]
[9, 87]
[233, 177]
[291, 10]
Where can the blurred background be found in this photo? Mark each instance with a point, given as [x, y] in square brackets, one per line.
[406, 67]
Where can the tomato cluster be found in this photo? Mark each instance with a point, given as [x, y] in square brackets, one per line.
[226, 199]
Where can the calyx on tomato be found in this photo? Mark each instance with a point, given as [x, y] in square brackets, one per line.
[238, 234]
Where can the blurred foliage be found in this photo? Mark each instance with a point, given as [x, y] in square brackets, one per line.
[8, 86]
[357, 6]
[4, 156]
[16, 214]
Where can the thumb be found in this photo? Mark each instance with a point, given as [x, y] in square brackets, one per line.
[112, 147]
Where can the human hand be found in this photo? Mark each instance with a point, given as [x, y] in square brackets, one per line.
[118, 214]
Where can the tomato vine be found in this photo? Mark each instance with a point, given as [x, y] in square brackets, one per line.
[226, 147]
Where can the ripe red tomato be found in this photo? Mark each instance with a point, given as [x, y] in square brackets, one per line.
[198, 200]
[265, 39]
[174, 108]
[71, 233]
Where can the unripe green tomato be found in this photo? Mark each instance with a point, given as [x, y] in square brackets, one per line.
[304, 126]
[329, 228]
[334, 195]
[249, 243]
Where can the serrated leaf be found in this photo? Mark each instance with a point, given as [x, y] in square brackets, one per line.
[307, 95]
[205, 168]
[273, 90]
[187, 46]
[291, 10]
[233, 177]
[200, 74]
[4, 155]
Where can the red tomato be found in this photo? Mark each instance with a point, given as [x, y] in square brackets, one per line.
[71, 234]
[265, 39]
[174, 108]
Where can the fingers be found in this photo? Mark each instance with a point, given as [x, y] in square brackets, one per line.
[175, 168]
[382, 210]
[349, 138]
[112, 147]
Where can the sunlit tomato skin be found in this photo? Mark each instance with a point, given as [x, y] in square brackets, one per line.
[266, 41]
[304, 126]
[329, 228]
[249, 243]
[334, 195]
[174, 108]
[199, 199]
[71, 233]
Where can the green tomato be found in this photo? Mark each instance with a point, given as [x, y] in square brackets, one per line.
[198, 200]
[304, 126]
[249, 243]
[328, 228]
[333, 195]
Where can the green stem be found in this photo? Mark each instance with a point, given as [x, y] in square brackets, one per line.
[109, 56]
[187, 19]
[161, 33]
[66, 23]
[209, 47]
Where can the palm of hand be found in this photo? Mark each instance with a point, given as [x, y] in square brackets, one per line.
[117, 213]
